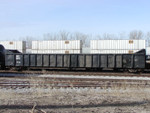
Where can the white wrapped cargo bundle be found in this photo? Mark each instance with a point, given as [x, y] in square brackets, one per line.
[117, 44]
[15, 45]
[56, 51]
[57, 45]
[114, 51]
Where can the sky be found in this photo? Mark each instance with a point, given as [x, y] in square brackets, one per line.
[22, 18]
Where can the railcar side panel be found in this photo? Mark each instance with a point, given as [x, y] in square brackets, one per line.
[95, 61]
[32, 59]
[66, 61]
[111, 61]
[26, 61]
[46, 60]
[81, 60]
[59, 60]
[139, 61]
[103, 61]
[52, 60]
[10, 60]
[88, 63]
[39, 60]
[118, 61]
[127, 61]
[74, 61]
[19, 60]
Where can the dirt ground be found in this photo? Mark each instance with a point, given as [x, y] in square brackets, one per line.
[39, 100]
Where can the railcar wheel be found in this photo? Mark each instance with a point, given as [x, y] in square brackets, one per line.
[2, 67]
[135, 70]
[132, 70]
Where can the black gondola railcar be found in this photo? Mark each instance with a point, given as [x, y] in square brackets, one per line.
[74, 61]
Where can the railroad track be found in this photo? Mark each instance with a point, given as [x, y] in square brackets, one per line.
[75, 73]
[70, 83]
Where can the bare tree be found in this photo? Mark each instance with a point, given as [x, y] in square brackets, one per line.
[148, 39]
[122, 35]
[136, 34]
[64, 35]
[98, 37]
[107, 36]
[47, 36]
[28, 40]
[51, 36]
[83, 37]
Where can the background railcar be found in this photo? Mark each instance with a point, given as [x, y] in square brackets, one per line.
[2, 57]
